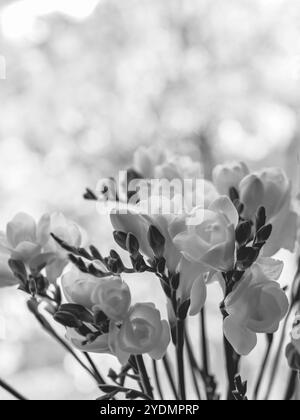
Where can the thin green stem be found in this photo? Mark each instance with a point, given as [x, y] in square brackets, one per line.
[180, 359]
[232, 366]
[292, 384]
[274, 368]
[144, 376]
[270, 339]
[168, 369]
[12, 391]
[157, 380]
[194, 367]
[98, 375]
[204, 345]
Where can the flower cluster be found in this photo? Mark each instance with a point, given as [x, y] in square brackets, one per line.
[100, 318]
[229, 236]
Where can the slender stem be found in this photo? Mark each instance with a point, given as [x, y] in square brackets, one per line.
[157, 380]
[204, 346]
[194, 367]
[180, 359]
[270, 339]
[232, 365]
[98, 375]
[274, 369]
[48, 328]
[170, 376]
[144, 376]
[12, 391]
[292, 383]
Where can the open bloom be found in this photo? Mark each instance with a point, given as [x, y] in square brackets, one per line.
[79, 287]
[112, 296]
[144, 332]
[69, 232]
[271, 189]
[209, 238]
[24, 238]
[108, 294]
[229, 175]
[256, 305]
[153, 163]
[6, 276]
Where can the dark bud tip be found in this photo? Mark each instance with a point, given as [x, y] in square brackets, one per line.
[264, 233]
[161, 266]
[132, 244]
[120, 238]
[261, 218]
[156, 241]
[234, 194]
[175, 280]
[67, 319]
[243, 232]
[246, 256]
[183, 309]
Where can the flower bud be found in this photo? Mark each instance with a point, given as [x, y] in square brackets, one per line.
[156, 241]
[229, 176]
[113, 297]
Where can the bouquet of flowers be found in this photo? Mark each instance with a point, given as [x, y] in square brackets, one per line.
[187, 233]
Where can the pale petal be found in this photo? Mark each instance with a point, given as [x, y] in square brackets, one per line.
[242, 339]
[21, 229]
[114, 345]
[100, 345]
[6, 276]
[136, 224]
[26, 251]
[162, 345]
[43, 230]
[189, 273]
[271, 268]
[224, 205]
[198, 296]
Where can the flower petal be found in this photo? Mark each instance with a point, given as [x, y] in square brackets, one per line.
[21, 229]
[198, 296]
[224, 205]
[161, 348]
[241, 338]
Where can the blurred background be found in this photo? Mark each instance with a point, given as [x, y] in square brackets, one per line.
[84, 83]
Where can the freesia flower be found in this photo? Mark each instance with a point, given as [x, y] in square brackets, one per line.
[209, 237]
[24, 238]
[108, 294]
[229, 175]
[256, 305]
[271, 189]
[154, 163]
[6, 276]
[112, 296]
[143, 332]
[78, 287]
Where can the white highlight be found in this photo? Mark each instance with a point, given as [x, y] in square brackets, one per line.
[19, 18]
[2, 328]
[2, 68]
